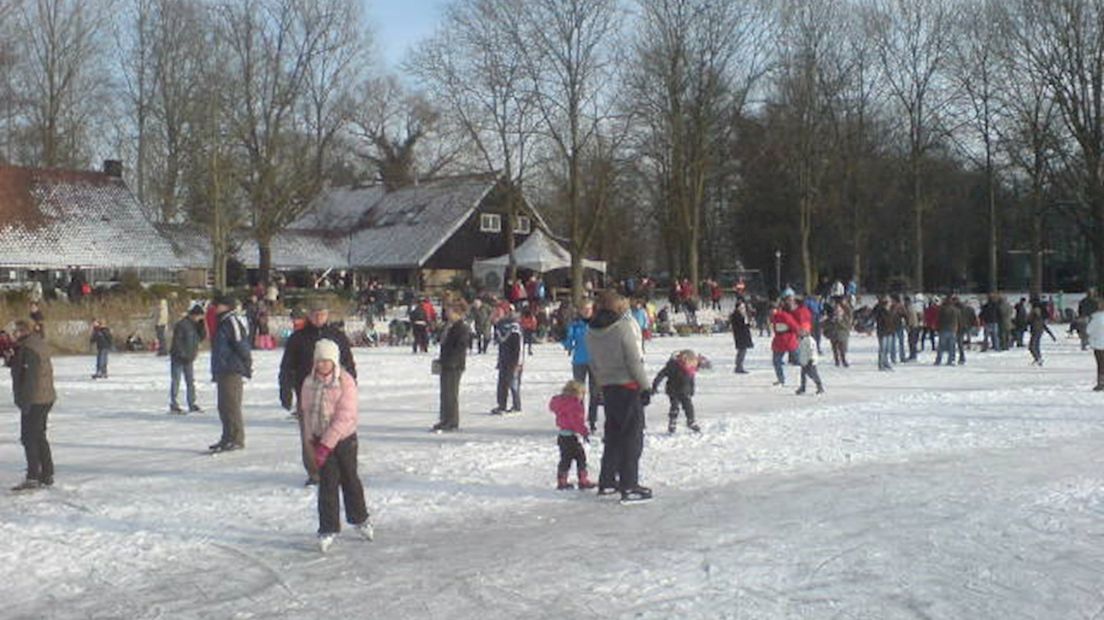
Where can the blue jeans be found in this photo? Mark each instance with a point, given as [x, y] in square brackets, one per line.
[897, 350]
[778, 358]
[992, 336]
[101, 362]
[177, 368]
[885, 351]
[946, 345]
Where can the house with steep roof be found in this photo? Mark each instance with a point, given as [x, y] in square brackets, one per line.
[420, 236]
[423, 235]
[54, 220]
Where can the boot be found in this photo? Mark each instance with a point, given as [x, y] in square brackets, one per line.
[562, 484]
[671, 425]
[584, 481]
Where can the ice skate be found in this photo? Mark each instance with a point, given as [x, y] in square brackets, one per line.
[29, 484]
[366, 530]
[325, 541]
[636, 495]
[671, 426]
[693, 426]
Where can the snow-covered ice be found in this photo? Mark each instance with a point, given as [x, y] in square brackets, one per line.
[972, 492]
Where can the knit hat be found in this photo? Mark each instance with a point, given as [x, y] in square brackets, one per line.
[326, 349]
[196, 310]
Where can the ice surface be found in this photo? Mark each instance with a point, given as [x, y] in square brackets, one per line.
[972, 492]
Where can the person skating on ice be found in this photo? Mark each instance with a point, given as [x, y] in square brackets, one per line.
[785, 326]
[510, 354]
[575, 343]
[328, 407]
[102, 340]
[1038, 326]
[453, 360]
[187, 333]
[807, 357]
[33, 390]
[568, 407]
[679, 373]
[741, 333]
[231, 364]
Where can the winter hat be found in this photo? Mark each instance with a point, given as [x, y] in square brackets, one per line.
[326, 349]
[223, 299]
[788, 292]
[196, 310]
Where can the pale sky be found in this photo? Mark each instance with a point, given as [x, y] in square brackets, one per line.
[399, 24]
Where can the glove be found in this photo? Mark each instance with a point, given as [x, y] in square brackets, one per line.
[321, 453]
[645, 397]
[285, 397]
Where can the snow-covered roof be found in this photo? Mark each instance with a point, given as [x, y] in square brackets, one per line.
[291, 249]
[399, 229]
[58, 218]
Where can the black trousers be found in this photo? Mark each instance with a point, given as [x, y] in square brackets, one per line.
[684, 402]
[1099, 355]
[421, 338]
[741, 355]
[913, 342]
[571, 450]
[482, 341]
[582, 374]
[810, 371]
[624, 438]
[1034, 346]
[340, 472]
[32, 433]
[450, 398]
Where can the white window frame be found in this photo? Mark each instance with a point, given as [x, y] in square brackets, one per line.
[524, 225]
[490, 222]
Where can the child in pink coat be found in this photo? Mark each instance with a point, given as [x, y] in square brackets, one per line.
[568, 407]
[328, 405]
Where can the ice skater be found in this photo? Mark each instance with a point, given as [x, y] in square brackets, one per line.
[1038, 328]
[679, 372]
[807, 358]
[328, 406]
[101, 338]
[568, 407]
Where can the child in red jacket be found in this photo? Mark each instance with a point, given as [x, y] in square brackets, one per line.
[568, 407]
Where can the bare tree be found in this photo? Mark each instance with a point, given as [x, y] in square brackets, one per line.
[1063, 43]
[393, 123]
[978, 73]
[808, 85]
[567, 47]
[695, 64]
[912, 44]
[275, 44]
[472, 71]
[8, 56]
[61, 59]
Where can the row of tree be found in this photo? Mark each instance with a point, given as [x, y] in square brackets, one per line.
[913, 142]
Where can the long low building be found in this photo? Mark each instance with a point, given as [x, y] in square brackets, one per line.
[421, 236]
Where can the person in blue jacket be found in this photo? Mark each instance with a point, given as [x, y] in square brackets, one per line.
[576, 345]
[231, 362]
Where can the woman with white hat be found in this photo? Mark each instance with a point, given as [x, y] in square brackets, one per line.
[328, 404]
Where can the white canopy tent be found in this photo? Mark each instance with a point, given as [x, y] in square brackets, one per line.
[538, 253]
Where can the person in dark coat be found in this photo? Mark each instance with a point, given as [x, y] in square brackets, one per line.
[741, 333]
[885, 322]
[33, 390]
[679, 374]
[949, 318]
[454, 351]
[186, 336]
[297, 364]
[231, 364]
[968, 321]
[1038, 326]
[508, 336]
[102, 340]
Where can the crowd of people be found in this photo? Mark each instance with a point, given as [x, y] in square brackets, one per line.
[605, 337]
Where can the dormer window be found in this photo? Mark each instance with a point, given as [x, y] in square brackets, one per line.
[490, 222]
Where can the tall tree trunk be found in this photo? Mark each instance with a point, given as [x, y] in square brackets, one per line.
[994, 265]
[1036, 247]
[264, 258]
[918, 225]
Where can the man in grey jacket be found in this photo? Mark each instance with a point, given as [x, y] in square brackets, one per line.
[618, 367]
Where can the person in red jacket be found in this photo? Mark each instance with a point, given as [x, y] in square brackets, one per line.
[931, 323]
[786, 326]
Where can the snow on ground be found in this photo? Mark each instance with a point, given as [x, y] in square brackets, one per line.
[970, 492]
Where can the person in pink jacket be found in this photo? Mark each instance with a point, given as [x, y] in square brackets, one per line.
[568, 407]
[328, 406]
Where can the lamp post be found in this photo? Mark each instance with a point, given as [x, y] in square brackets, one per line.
[778, 271]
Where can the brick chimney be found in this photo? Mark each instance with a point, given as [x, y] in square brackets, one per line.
[113, 168]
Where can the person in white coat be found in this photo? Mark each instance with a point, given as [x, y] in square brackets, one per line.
[1096, 341]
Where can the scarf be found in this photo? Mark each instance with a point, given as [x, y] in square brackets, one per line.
[320, 414]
